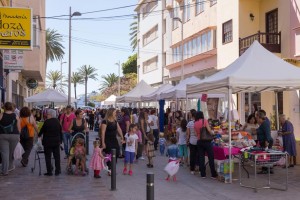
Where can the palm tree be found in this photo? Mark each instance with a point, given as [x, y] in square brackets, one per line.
[108, 81]
[76, 78]
[55, 80]
[133, 33]
[54, 47]
[87, 72]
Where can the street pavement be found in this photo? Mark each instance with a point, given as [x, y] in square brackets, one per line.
[23, 184]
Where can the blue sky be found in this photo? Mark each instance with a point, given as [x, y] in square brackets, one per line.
[108, 33]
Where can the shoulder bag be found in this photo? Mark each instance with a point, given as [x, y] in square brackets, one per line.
[25, 130]
[205, 134]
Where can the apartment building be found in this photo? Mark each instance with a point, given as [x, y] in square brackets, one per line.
[150, 42]
[34, 62]
[216, 32]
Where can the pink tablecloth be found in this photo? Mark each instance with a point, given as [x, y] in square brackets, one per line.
[220, 153]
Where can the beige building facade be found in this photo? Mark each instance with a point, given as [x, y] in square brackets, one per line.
[34, 61]
[217, 32]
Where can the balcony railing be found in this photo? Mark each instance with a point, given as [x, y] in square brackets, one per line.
[271, 41]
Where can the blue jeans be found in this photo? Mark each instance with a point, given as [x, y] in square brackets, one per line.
[156, 137]
[67, 137]
[162, 149]
[129, 157]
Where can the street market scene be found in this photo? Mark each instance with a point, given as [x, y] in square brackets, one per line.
[150, 99]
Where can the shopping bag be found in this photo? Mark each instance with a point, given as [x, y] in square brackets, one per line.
[38, 145]
[281, 162]
[172, 168]
[18, 151]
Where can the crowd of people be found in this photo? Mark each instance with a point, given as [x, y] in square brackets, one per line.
[134, 133]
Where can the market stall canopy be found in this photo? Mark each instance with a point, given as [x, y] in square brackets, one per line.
[135, 94]
[110, 100]
[155, 96]
[256, 70]
[49, 96]
[179, 91]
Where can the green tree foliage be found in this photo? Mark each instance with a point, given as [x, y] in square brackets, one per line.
[108, 81]
[87, 72]
[133, 33]
[76, 79]
[130, 66]
[54, 47]
[54, 79]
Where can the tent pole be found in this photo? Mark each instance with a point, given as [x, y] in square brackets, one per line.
[276, 112]
[229, 129]
[186, 108]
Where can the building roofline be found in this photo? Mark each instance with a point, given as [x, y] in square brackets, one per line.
[139, 5]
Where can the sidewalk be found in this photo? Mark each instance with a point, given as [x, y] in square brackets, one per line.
[23, 184]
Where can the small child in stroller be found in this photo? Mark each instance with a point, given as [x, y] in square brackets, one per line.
[78, 152]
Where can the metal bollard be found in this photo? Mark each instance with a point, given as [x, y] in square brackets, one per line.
[87, 138]
[113, 169]
[150, 186]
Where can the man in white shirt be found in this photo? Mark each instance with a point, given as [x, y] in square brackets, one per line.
[154, 124]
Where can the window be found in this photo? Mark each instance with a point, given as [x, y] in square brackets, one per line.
[199, 6]
[297, 42]
[150, 64]
[227, 32]
[35, 31]
[150, 35]
[164, 26]
[149, 7]
[203, 43]
[187, 10]
[213, 2]
[175, 14]
[200, 44]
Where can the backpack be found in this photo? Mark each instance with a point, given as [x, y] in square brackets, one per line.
[25, 131]
[8, 129]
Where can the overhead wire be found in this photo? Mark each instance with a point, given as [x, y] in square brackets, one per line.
[125, 17]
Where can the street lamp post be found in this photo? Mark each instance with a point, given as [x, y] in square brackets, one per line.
[70, 32]
[182, 60]
[61, 63]
[119, 79]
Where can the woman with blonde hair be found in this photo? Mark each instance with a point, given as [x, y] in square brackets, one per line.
[109, 130]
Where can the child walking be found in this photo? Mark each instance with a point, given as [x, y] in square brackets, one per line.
[96, 162]
[173, 153]
[162, 143]
[150, 150]
[131, 139]
[182, 141]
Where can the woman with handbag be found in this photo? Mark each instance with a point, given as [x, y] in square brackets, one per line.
[9, 137]
[27, 121]
[204, 145]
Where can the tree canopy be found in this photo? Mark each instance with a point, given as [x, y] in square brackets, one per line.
[130, 66]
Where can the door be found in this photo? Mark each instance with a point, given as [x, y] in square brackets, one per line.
[272, 26]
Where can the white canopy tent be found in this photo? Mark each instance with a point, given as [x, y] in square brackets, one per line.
[179, 91]
[49, 96]
[256, 70]
[155, 96]
[135, 94]
[111, 100]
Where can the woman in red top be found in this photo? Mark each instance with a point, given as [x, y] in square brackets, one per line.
[204, 146]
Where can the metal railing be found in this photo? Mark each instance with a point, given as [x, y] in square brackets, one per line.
[271, 41]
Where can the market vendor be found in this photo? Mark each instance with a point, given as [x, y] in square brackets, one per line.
[288, 138]
[264, 131]
[264, 136]
[251, 126]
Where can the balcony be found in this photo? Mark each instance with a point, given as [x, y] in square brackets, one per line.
[271, 41]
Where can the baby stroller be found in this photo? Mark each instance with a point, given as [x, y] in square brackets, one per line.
[71, 158]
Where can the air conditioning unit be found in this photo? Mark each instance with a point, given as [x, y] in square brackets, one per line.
[169, 4]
